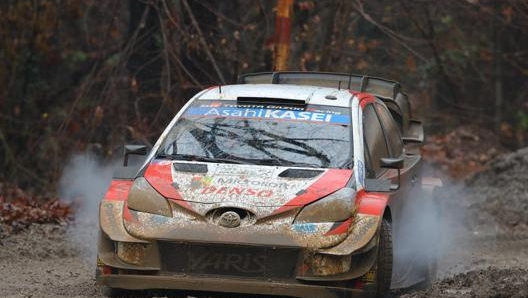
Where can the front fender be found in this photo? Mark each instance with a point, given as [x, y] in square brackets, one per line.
[371, 207]
[113, 208]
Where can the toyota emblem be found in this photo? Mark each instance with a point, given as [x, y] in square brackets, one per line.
[229, 219]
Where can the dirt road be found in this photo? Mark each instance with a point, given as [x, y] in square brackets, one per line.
[46, 261]
[485, 255]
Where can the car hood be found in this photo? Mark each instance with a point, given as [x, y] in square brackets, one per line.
[243, 185]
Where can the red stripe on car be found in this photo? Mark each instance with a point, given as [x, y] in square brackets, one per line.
[331, 181]
[159, 175]
[365, 99]
[126, 213]
[118, 190]
[371, 203]
[340, 228]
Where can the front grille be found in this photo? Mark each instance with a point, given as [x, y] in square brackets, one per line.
[229, 260]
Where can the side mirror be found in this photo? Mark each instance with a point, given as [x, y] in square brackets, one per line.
[391, 163]
[134, 150]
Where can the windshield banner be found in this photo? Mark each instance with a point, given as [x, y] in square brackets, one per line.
[272, 114]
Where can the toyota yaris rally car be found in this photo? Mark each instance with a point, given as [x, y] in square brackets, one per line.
[287, 183]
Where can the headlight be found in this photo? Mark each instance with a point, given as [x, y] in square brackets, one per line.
[338, 206]
[133, 253]
[143, 197]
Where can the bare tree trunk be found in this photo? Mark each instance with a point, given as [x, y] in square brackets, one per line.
[498, 77]
[282, 34]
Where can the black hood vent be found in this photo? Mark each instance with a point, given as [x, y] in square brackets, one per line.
[190, 167]
[300, 173]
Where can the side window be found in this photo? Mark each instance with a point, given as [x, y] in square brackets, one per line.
[392, 132]
[374, 139]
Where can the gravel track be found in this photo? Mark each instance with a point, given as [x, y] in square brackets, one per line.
[485, 254]
[43, 261]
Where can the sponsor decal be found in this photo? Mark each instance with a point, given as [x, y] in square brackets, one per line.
[224, 190]
[369, 276]
[214, 104]
[254, 183]
[201, 181]
[261, 172]
[306, 228]
[267, 113]
[160, 219]
[229, 262]
[311, 108]
[361, 171]
[235, 186]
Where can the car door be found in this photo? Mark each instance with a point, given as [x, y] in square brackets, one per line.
[375, 145]
[405, 202]
[382, 140]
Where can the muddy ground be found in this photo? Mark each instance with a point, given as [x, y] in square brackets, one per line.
[486, 254]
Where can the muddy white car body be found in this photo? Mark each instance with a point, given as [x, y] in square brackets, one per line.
[275, 185]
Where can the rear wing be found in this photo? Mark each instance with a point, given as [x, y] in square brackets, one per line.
[388, 91]
[373, 85]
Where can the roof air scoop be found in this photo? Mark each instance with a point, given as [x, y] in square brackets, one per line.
[273, 101]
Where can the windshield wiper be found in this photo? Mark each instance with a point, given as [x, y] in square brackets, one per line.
[268, 162]
[192, 157]
[303, 165]
[348, 165]
[284, 163]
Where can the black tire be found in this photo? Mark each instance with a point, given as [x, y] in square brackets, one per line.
[118, 293]
[384, 260]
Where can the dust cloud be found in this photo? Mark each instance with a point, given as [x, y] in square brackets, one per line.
[83, 184]
[431, 226]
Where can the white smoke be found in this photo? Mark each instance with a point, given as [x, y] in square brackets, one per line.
[433, 229]
[83, 184]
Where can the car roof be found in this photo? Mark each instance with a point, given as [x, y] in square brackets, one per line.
[308, 94]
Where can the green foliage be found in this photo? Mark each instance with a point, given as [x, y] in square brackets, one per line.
[77, 57]
[522, 120]
[447, 20]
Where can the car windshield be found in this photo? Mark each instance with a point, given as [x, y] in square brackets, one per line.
[308, 136]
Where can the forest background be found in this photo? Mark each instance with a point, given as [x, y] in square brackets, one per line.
[94, 75]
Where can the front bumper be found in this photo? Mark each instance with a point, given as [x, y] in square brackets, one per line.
[216, 284]
[228, 268]
[258, 263]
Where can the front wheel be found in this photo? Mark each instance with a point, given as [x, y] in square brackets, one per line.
[384, 260]
[118, 293]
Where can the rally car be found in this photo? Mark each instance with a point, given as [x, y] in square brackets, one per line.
[287, 183]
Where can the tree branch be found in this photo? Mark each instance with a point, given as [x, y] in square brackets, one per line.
[202, 41]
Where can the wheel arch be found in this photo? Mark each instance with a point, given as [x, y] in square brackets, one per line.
[387, 214]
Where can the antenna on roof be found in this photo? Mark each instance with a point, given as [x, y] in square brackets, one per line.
[349, 80]
[338, 85]
[220, 88]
